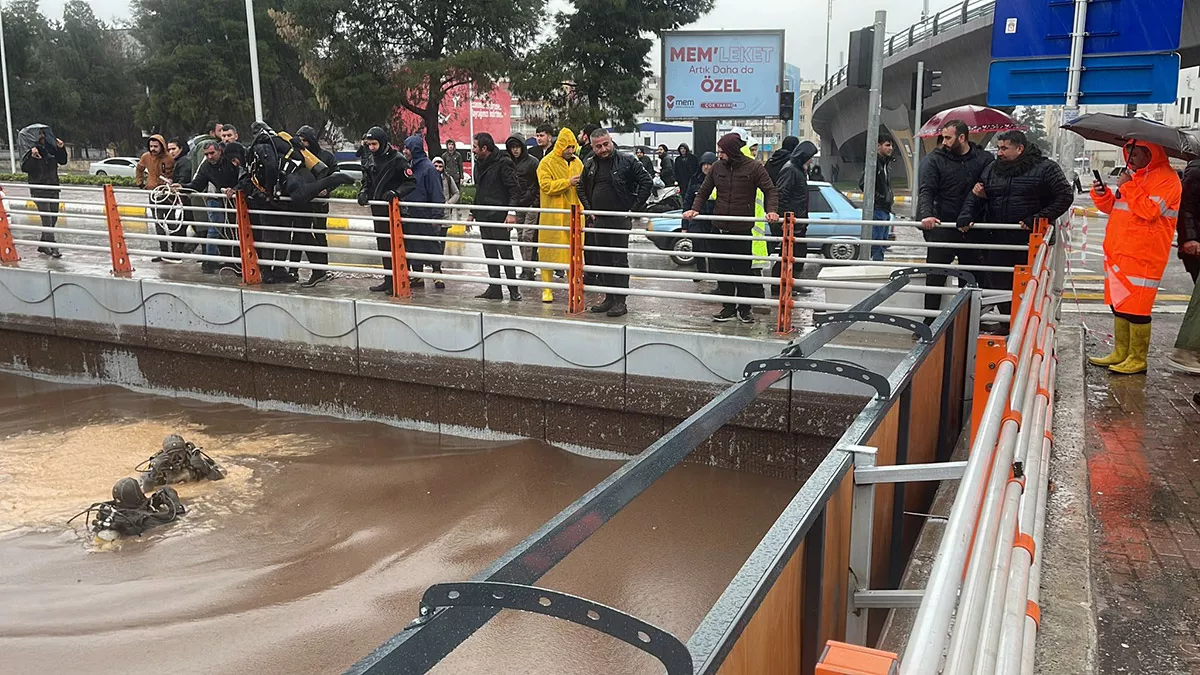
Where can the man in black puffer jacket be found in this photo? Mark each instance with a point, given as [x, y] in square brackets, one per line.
[793, 198]
[947, 176]
[496, 184]
[1021, 186]
[531, 195]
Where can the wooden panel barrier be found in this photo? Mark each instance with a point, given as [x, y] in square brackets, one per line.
[838, 512]
[770, 643]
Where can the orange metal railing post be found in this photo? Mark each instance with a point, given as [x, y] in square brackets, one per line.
[116, 234]
[1037, 238]
[401, 284]
[8, 248]
[786, 282]
[1022, 275]
[990, 350]
[250, 272]
[575, 304]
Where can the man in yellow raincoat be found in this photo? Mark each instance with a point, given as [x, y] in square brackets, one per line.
[1137, 247]
[558, 174]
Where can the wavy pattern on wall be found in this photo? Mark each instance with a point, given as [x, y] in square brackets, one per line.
[441, 349]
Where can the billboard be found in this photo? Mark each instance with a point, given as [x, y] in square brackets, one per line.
[492, 111]
[721, 74]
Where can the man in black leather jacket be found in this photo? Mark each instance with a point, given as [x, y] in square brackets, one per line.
[612, 182]
[947, 176]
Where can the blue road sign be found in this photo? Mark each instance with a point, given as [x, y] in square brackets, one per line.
[1125, 78]
[1026, 29]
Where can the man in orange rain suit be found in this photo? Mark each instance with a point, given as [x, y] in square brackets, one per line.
[1137, 246]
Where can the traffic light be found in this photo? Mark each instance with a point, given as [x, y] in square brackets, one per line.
[787, 105]
[930, 83]
[861, 54]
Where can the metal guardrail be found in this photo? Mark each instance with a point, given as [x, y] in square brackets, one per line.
[958, 15]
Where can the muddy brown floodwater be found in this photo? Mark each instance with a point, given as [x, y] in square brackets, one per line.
[319, 544]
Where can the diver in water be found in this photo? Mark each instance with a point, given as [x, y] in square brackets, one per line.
[178, 462]
[131, 512]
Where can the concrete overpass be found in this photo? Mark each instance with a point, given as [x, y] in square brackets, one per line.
[955, 41]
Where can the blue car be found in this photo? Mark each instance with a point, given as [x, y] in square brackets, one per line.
[825, 202]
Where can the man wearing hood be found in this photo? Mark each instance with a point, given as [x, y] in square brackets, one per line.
[496, 184]
[558, 174]
[737, 180]
[386, 176]
[612, 181]
[884, 197]
[41, 164]
[686, 168]
[701, 245]
[310, 231]
[428, 190]
[793, 198]
[1142, 215]
[780, 157]
[1021, 186]
[947, 176]
[156, 167]
[526, 167]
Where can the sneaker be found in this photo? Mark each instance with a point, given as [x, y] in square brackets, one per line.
[154, 259]
[315, 278]
[173, 261]
[745, 316]
[726, 314]
[1185, 360]
[439, 284]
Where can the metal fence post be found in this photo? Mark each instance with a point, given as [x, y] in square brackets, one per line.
[575, 303]
[990, 350]
[862, 520]
[401, 286]
[116, 234]
[8, 249]
[786, 281]
[250, 272]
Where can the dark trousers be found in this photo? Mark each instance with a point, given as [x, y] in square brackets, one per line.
[267, 256]
[613, 258]
[946, 256]
[799, 251]
[309, 231]
[1192, 264]
[700, 245]
[1001, 281]
[381, 225]
[48, 207]
[492, 235]
[742, 245]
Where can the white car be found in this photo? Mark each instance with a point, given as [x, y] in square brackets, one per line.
[114, 166]
[352, 168]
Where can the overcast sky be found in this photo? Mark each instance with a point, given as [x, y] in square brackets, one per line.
[803, 21]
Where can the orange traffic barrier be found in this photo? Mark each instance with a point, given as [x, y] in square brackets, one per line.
[116, 234]
[840, 658]
[8, 248]
[401, 284]
[250, 272]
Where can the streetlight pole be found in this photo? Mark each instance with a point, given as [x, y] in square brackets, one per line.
[253, 37]
[12, 151]
[828, 27]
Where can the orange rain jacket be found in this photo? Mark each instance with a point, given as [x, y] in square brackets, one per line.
[1141, 226]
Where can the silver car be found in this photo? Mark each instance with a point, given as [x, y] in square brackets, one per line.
[114, 166]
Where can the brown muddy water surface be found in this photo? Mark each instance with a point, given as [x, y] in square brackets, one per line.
[320, 543]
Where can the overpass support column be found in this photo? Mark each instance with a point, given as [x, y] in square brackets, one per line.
[829, 156]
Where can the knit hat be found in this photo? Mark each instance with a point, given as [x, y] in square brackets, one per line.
[730, 144]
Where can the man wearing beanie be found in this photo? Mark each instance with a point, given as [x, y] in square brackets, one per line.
[736, 178]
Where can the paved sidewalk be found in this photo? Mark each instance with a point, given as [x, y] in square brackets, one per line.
[1143, 437]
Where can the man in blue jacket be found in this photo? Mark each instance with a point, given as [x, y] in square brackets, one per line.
[428, 191]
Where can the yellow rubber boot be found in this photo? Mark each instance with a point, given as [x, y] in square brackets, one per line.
[1120, 350]
[1139, 347]
[547, 294]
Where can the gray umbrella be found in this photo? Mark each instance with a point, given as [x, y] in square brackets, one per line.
[28, 137]
[1118, 130]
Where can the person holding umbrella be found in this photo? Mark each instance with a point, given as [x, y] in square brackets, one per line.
[43, 154]
[1137, 246]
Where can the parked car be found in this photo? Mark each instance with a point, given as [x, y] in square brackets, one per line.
[114, 166]
[825, 202]
[352, 168]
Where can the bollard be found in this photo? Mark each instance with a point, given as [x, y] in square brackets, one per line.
[250, 272]
[840, 658]
[8, 248]
[401, 285]
[575, 304]
[116, 234]
[786, 282]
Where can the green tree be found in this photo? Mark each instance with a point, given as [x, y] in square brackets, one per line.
[593, 68]
[196, 67]
[366, 57]
[1035, 120]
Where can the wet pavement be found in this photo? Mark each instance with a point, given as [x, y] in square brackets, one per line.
[1143, 437]
[317, 546]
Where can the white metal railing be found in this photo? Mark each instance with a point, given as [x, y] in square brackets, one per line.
[84, 206]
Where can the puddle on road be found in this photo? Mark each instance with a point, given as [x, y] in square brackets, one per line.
[320, 543]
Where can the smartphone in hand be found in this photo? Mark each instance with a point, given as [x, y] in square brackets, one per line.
[1099, 180]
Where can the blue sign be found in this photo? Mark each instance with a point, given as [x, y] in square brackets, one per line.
[1126, 78]
[1026, 29]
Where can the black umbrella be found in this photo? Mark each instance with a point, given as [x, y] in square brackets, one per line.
[28, 137]
[1118, 130]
